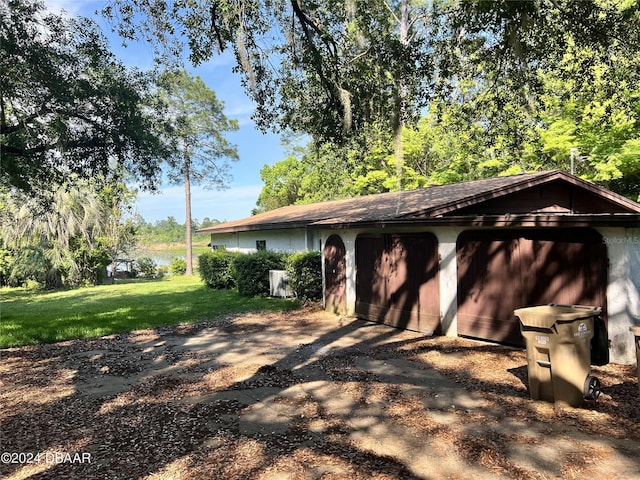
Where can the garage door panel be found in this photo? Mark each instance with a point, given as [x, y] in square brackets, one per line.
[335, 275]
[371, 285]
[501, 271]
[484, 297]
[488, 328]
[570, 268]
[397, 280]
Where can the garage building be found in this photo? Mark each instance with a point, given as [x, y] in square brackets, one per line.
[458, 259]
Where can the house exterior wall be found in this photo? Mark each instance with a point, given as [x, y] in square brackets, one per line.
[623, 289]
[446, 237]
[633, 270]
[285, 240]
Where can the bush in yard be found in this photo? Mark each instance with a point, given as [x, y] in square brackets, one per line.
[217, 269]
[304, 270]
[147, 267]
[252, 271]
[178, 266]
[6, 265]
[28, 264]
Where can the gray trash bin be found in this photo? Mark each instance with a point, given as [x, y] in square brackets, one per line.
[558, 339]
[636, 332]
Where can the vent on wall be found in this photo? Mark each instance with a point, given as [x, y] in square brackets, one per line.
[279, 284]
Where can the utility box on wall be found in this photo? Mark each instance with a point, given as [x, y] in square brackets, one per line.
[279, 284]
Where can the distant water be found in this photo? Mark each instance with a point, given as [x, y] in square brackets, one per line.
[163, 258]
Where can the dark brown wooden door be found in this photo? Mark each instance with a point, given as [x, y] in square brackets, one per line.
[499, 271]
[335, 275]
[397, 280]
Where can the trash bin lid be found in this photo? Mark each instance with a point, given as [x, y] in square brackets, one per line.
[546, 315]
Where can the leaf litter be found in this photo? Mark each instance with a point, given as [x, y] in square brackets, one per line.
[163, 410]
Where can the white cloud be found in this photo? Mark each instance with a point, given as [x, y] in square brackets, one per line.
[242, 113]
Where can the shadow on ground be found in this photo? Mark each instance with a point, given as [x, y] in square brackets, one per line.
[301, 395]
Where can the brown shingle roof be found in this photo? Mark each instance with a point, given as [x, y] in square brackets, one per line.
[420, 203]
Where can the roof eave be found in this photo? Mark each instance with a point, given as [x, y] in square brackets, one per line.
[253, 228]
[626, 220]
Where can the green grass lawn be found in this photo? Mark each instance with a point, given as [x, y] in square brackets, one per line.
[41, 317]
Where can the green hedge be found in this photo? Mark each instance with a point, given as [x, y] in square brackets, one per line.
[252, 271]
[304, 270]
[217, 269]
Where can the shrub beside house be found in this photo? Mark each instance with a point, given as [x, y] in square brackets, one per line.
[249, 273]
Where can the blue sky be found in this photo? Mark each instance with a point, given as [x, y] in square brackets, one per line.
[255, 148]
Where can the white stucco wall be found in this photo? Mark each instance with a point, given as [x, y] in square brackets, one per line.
[623, 290]
[633, 285]
[447, 238]
[349, 239]
[286, 240]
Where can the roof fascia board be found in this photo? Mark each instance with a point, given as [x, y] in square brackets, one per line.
[630, 220]
[253, 228]
[601, 191]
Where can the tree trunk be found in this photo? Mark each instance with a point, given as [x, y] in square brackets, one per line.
[402, 94]
[187, 196]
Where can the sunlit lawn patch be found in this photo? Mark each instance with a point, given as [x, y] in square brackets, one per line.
[40, 317]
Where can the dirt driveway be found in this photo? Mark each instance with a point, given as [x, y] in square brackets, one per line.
[305, 395]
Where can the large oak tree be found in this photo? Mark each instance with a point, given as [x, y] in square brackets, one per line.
[327, 68]
[67, 106]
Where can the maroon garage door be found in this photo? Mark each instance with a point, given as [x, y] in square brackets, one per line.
[499, 271]
[397, 280]
[335, 268]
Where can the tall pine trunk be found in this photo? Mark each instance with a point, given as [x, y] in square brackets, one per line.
[187, 197]
[402, 96]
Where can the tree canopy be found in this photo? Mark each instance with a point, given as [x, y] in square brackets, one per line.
[329, 67]
[490, 86]
[67, 106]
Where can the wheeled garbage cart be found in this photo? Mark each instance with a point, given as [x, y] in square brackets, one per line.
[636, 334]
[558, 340]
